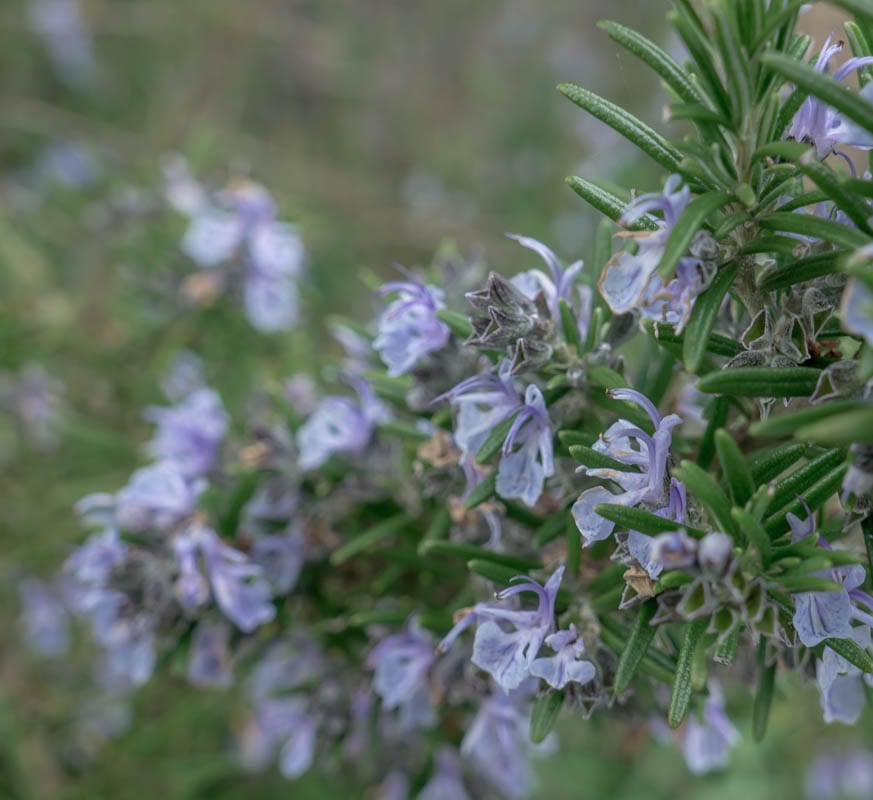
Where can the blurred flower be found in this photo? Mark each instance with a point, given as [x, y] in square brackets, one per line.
[394, 787]
[818, 124]
[156, 498]
[189, 433]
[339, 425]
[209, 659]
[280, 725]
[497, 745]
[44, 618]
[242, 221]
[409, 328]
[35, 400]
[238, 585]
[280, 557]
[630, 281]
[184, 376]
[401, 663]
[844, 775]
[646, 485]
[60, 24]
[708, 740]
[446, 782]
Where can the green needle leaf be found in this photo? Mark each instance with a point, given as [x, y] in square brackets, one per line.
[734, 467]
[633, 129]
[702, 319]
[681, 698]
[544, 715]
[640, 639]
[761, 382]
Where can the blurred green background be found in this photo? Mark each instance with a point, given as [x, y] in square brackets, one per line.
[383, 128]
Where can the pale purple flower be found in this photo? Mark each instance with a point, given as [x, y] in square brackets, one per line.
[818, 124]
[673, 550]
[714, 551]
[400, 665]
[156, 498]
[857, 309]
[648, 486]
[508, 641]
[630, 280]
[497, 745]
[824, 615]
[841, 683]
[708, 740]
[409, 327]
[189, 433]
[559, 284]
[840, 775]
[527, 458]
[339, 425]
[44, 618]
[446, 782]
[567, 665]
[209, 658]
[482, 402]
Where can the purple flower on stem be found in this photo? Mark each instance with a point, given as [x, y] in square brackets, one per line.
[824, 615]
[630, 280]
[559, 284]
[409, 328]
[841, 683]
[508, 641]
[527, 458]
[482, 402]
[401, 663]
[340, 425]
[189, 434]
[566, 665]
[647, 485]
[818, 124]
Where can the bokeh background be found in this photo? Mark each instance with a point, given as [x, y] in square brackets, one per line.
[386, 130]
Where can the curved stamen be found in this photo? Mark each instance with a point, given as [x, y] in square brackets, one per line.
[640, 399]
